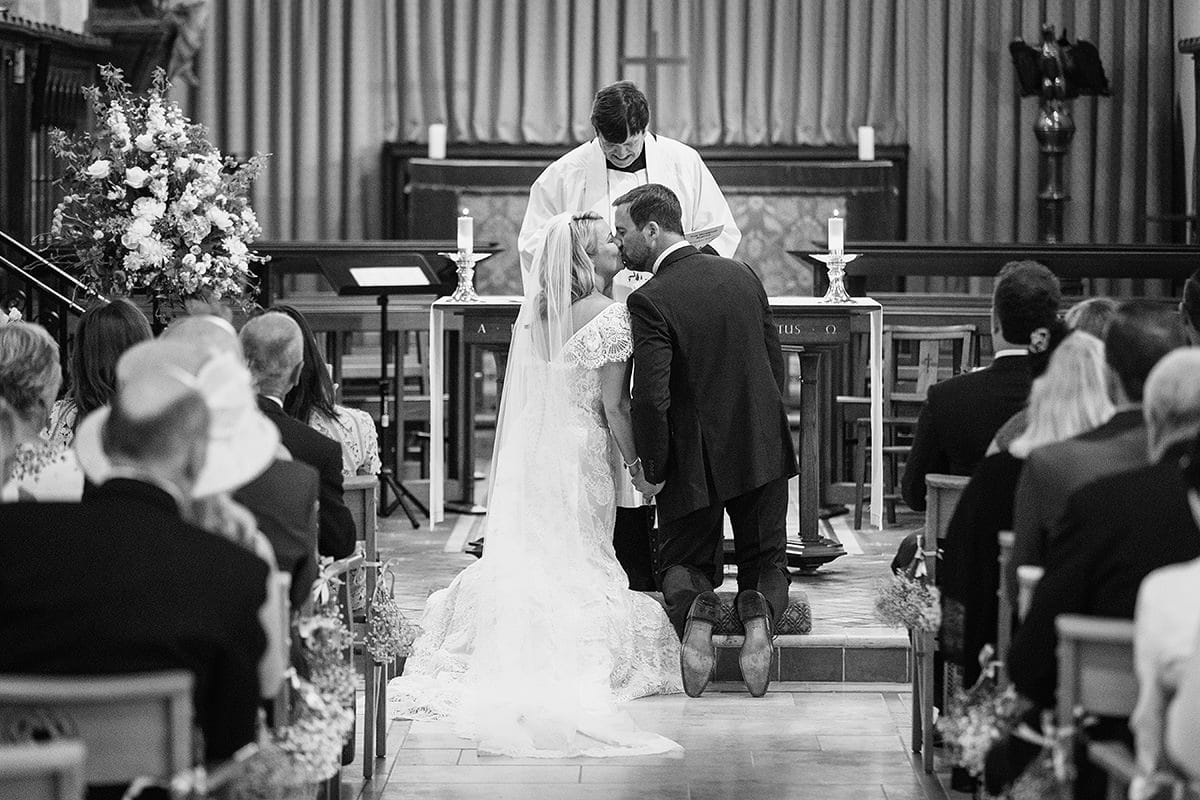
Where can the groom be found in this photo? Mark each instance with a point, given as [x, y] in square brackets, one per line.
[711, 432]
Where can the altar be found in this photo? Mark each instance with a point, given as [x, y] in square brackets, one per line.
[813, 330]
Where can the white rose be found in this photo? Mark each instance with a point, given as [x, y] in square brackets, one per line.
[145, 142]
[137, 231]
[235, 247]
[97, 234]
[149, 207]
[136, 177]
[219, 217]
[99, 168]
[182, 164]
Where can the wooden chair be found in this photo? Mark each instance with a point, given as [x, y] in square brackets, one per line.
[133, 725]
[50, 771]
[360, 498]
[944, 493]
[1028, 577]
[340, 569]
[912, 362]
[1096, 676]
[1004, 615]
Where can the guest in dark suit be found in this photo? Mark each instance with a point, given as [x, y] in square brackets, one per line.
[1070, 397]
[1138, 337]
[274, 350]
[1113, 533]
[961, 415]
[121, 583]
[711, 431]
[283, 498]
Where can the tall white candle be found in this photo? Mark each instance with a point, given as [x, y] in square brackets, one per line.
[866, 143]
[437, 140]
[837, 233]
[466, 233]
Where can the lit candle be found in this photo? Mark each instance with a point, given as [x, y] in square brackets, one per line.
[466, 233]
[837, 233]
[866, 143]
[437, 140]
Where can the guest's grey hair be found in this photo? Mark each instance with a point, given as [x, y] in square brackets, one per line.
[1171, 403]
[210, 332]
[274, 348]
[29, 370]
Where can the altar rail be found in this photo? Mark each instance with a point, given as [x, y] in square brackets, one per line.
[1072, 263]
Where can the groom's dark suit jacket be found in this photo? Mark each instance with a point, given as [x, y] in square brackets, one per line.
[323, 454]
[708, 413]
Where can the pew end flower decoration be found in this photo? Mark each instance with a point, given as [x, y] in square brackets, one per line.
[152, 205]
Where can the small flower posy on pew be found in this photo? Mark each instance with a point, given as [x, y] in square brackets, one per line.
[151, 203]
[909, 600]
[979, 718]
[390, 635]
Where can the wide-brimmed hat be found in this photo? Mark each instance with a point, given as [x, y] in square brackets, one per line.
[241, 440]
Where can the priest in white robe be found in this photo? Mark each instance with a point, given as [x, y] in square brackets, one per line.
[623, 155]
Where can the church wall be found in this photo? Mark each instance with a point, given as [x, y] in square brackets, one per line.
[322, 86]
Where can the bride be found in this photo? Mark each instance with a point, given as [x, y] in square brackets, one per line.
[531, 648]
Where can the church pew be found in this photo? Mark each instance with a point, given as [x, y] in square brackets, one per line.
[1096, 676]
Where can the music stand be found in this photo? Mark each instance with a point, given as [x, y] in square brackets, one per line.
[382, 275]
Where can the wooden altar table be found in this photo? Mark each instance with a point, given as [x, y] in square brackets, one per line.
[814, 330]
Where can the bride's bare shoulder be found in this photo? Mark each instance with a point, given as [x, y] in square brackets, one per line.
[588, 308]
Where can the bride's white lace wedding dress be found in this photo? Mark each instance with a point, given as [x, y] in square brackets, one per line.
[529, 650]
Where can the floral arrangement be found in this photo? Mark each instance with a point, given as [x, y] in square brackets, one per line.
[152, 204]
[907, 599]
[390, 635]
[308, 749]
[979, 718]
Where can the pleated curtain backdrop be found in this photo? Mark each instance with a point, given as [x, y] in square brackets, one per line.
[322, 85]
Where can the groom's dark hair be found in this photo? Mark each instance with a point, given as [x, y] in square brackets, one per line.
[653, 202]
[619, 111]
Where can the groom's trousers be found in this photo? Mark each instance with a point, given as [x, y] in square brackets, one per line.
[691, 551]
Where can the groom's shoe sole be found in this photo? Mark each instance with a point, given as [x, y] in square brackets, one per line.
[755, 656]
[697, 656]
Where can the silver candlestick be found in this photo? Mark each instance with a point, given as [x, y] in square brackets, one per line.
[465, 291]
[836, 265]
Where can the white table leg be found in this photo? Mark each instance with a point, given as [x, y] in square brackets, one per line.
[876, 369]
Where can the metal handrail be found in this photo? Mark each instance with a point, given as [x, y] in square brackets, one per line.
[54, 293]
[88, 290]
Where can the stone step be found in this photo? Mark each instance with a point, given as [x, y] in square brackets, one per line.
[833, 658]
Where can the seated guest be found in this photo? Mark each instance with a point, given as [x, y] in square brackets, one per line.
[1189, 307]
[1183, 718]
[1112, 533]
[241, 442]
[274, 348]
[1072, 396]
[1166, 624]
[961, 415]
[121, 583]
[29, 381]
[1092, 315]
[105, 331]
[311, 401]
[283, 498]
[1139, 335]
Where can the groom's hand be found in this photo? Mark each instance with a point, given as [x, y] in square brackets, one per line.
[645, 487]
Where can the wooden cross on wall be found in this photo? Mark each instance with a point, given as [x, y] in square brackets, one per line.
[651, 61]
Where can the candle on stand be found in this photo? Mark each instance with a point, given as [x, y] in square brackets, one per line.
[866, 143]
[437, 140]
[837, 233]
[466, 233]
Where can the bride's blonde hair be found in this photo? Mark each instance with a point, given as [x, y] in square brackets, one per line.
[1069, 398]
[586, 231]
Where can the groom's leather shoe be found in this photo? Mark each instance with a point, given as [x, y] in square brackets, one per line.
[698, 655]
[755, 657]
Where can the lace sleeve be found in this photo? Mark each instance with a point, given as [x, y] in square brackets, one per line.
[607, 338]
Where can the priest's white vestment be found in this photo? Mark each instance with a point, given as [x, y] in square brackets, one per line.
[581, 181]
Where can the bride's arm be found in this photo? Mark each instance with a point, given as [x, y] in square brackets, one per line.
[614, 389]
